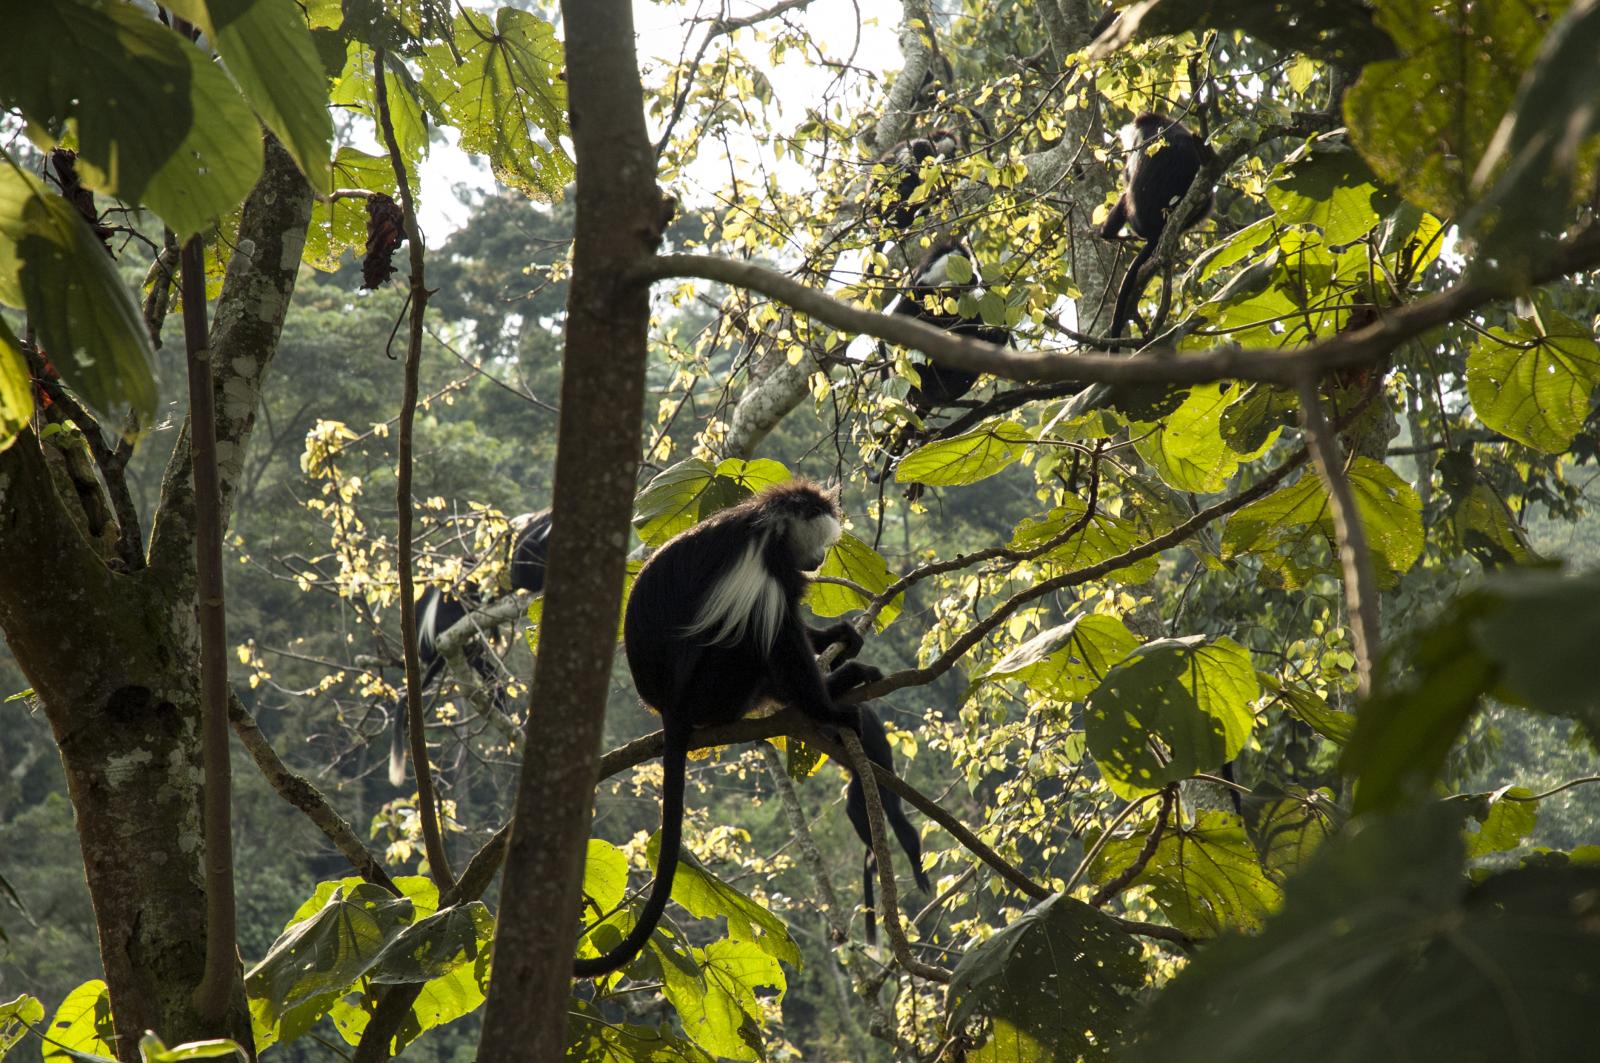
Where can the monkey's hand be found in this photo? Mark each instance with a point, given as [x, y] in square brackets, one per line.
[840, 632]
[848, 676]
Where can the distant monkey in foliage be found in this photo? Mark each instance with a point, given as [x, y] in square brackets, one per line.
[438, 612]
[1163, 159]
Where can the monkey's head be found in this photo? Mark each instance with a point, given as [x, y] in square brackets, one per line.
[805, 515]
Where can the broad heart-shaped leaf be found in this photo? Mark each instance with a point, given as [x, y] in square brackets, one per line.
[1186, 447]
[1535, 151]
[1206, 877]
[1424, 121]
[1103, 537]
[82, 314]
[16, 1016]
[707, 896]
[964, 459]
[318, 959]
[266, 46]
[715, 996]
[16, 391]
[854, 560]
[682, 495]
[1382, 952]
[1287, 830]
[447, 953]
[81, 1027]
[1283, 529]
[506, 97]
[1505, 818]
[340, 226]
[593, 1037]
[1254, 416]
[1066, 662]
[156, 123]
[1533, 386]
[1527, 636]
[1329, 186]
[154, 1050]
[605, 874]
[1171, 708]
[1062, 973]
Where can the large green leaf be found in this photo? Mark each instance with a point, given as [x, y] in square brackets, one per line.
[81, 1028]
[82, 314]
[1206, 877]
[1103, 536]
[339, 226]
[154, 1050]
[506, 97]
[964, 459]
[605, 874]
[854, 560]
[154, 121]
[1505, 818]
[1527, 636]
[1382, 952]
[1291, 530]
[682, 495]
[716, 995]
[320, 956]
[1535, 153]
[1532, 382]
[594, 1037]
[1329, 186]
[1066, 662]
[1062, 975]
[1424, 121]
[267, 47]
[707, 896]
[1186, 447]
[16, 391]
[1171, 708]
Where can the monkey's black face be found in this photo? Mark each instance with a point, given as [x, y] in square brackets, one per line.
[808, 518]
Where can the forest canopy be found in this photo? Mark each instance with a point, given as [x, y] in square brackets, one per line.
[1207, 392]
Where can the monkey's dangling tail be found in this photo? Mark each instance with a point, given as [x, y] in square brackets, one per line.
[400, 727]
[1128, 293]
[674, 766]
[869, 871]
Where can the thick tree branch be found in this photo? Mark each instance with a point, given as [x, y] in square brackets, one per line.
[299, 792]
[1153, 365]
[1355, 559]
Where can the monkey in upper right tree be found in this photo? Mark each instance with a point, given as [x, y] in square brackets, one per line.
[1163, 159]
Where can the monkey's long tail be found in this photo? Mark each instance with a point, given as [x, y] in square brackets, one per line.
[400, 729]
[674, 765]
[1128, 293]
[869, 871]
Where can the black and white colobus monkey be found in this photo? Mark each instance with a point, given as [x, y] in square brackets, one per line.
[438, 612]
[712, 628]
[902, 168]
[875, 742]
[1163, 159]
[931, 281]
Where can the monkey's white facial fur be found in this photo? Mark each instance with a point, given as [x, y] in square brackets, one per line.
[810, 538]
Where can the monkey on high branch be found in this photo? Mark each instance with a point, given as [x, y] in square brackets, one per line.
[712, 629]
[1163, 159]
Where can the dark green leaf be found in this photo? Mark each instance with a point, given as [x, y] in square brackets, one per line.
[1505, 818]
[859, 563]
[16, 390]
[1068, 661]
[1206, 877]
[155, 122]
[1171, 708]
[1329, 186]
[1062, 973]
[84, 317]
[1532, 382]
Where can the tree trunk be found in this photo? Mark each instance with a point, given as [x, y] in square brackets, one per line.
[620, 216]
[113, 656]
